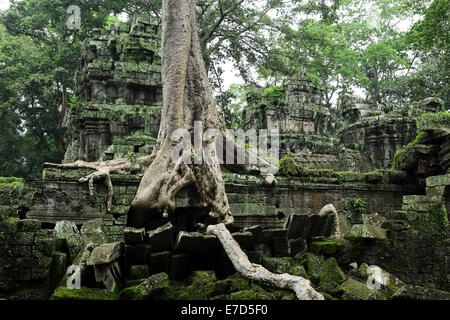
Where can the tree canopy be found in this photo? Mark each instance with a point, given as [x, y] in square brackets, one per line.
[394, 52]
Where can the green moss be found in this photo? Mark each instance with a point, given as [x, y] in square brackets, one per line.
[327, 247]
[430, 121]
[332, 273]
[252, 295]
[406, 157]
[11, 182]
[237, 283]
[132, 293]
[433, 226]
[315, 265]
[64, 293]
[171, 293]
[289, 168]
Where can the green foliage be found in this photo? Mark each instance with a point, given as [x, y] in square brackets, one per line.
[432, 31]
[231, 104]
[358, 43]
[39, 56]
[274, 95]
[11, 182]
[359, 206]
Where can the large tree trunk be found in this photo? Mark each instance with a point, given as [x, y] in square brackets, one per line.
[187, 98]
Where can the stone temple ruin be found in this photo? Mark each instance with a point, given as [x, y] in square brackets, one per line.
[384, 177]
[120, 92]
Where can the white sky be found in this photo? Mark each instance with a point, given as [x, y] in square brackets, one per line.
[4, 4]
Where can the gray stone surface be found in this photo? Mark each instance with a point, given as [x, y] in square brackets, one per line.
[161, 239]
[106, 253]
[196, 243]
[133, 236]
[94, 231]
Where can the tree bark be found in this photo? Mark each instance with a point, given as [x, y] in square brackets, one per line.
[258, 273]
[187, 98]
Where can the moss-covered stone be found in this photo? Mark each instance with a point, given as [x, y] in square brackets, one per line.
[29, 225]
[420, 293]
[289, 168]
[357, 288]
[84, 293]
[276, 265]
[315, 266]
[11, 182]
[332, 272]
[252, 295]
[327, 247]
[147, 289]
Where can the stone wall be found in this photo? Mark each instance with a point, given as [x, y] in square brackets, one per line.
[380, 137]
[62, 197]
[416, 248]
[29, 265]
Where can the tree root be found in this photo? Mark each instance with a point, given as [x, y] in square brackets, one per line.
[330, 209]
[258, 273]
[102, 171]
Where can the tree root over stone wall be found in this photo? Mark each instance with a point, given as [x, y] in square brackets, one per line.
[258, 273]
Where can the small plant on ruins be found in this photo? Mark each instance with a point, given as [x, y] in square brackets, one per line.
[359, 206]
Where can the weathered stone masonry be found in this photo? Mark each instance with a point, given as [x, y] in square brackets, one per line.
[251, 201]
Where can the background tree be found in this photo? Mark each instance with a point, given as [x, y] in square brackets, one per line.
[429, 38]
[344, 45]
[39, 56]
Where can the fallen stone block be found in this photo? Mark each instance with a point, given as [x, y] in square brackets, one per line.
[93, 231]
[298, 246]
[139, 272]
[245, 240]
[256, 231]
[196, 243]
[269, 234]
[109, 274]
[147, 289]
[276, 265]
[161, 239]
[356, 288]
[139, 254]
[133, 236]
[106, 253]
[371, 227]
[160, 262]
[179, 266]
[280, 247]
